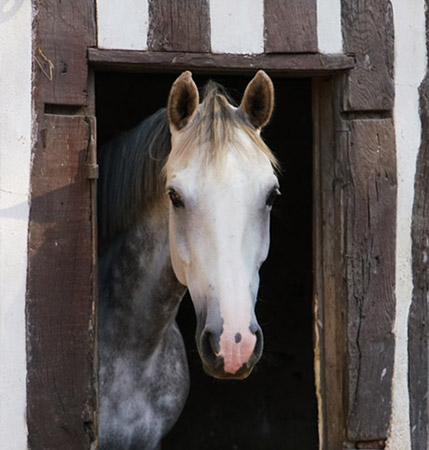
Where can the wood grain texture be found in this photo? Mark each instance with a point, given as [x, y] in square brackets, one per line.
[368, 35]
[355, 225]
[290, 26]
[329, 264]
[371, 445]
[60, 321]
[217, 63]
[63, 33]
[370, 214]
[179, 25]
[61, 279]
[418, 326]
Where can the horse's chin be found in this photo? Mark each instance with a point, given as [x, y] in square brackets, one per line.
[220, 374]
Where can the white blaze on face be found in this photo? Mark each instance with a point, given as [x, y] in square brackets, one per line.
[233, 277]
[240, 246]
[218, 241]
[237, 343]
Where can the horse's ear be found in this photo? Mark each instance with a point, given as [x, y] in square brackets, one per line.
[258, 100]
[182, 101]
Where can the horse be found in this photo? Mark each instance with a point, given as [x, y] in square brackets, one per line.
[184, 203]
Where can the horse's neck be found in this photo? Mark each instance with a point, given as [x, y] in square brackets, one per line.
[139, 293]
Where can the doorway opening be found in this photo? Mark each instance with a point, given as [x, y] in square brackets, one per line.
[276, 407]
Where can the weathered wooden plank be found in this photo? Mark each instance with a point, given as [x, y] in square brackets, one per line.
[218, 63]
[370, 206]
[63, 32]
[418, 326]
[329, 265]
[179, 25]
[371, 445]
[355, 217]
[290, 26]
[61, 400]
[368, 34]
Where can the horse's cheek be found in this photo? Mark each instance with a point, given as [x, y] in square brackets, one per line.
[257, 242]
[179, 254]
[177, 265]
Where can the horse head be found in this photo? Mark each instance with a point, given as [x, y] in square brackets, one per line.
[220, 178]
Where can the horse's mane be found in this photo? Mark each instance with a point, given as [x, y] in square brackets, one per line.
[130, 168]
[131, 165]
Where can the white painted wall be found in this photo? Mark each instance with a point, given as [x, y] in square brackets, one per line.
[410, 67]
[122, 24]
[329, 35]
[237, 26]
[15, 153]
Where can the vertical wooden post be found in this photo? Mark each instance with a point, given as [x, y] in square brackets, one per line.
[368, 34]
[179, 25]
[355, 227]
[370, 218]
[290, 26]
[61, 286]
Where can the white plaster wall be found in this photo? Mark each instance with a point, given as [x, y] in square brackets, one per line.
[122, 24]
[237, 26]
[329, 35]
[410, 67]
[15, 153]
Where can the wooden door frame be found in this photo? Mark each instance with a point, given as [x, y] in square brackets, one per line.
[329, 394]
[325, 109]
[330, 352]
[349, 214]
[329, 324]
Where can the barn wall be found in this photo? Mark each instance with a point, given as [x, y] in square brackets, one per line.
[329, 26]
[15, 152]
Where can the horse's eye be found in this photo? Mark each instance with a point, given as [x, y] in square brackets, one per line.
[175, 198]
[272, 196]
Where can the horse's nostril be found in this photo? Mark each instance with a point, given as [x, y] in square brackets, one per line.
[259, 342]
[208, 345]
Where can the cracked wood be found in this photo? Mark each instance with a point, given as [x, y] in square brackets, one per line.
[290, 26]
[368, 34]
[61, 289]
[370, 212]
[179, 25]
[60, 319]
[64, 32]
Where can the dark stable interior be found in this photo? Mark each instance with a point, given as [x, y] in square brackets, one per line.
[275, 408]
